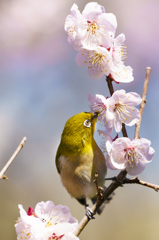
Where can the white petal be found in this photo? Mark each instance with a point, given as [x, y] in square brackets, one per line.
[112, 21]
[101, 97]
[120, 39]
[150, 155]
[82, 59]
[109, 163]
[74, 7]
[91, 98]
[132, 117]
[119, 162]
[92, 9]
[118, 95]
[118, 154]
[22, 211]
[121, 143]
[108, 121]
[109, 126]
[42, 207]
[143, 146]
[134, 169]
[95, 72]
[122, 73]
[132, 99]
[117, 124]
[70, 236]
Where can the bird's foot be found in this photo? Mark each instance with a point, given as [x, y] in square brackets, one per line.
[89, 212]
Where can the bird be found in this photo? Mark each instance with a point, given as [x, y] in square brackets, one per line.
[78, 158]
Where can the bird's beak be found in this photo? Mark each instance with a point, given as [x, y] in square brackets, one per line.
[94, 120]
[96, 114]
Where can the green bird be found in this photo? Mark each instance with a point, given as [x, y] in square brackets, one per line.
[78, 158]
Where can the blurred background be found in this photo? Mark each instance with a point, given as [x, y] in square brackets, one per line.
[41, 87]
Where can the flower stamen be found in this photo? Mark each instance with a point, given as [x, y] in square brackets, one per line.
[96, 58]
[131, 156]
[122, 108]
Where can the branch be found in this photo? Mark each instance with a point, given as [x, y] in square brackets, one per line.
[124, 132]
[121, 178]
[110, 85]
[137, 127]
[138, 181]
[115, 184]
[21, 145]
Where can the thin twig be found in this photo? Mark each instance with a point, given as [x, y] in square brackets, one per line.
[100, 190]
[137, 127]
[21, 145]
[138, 181]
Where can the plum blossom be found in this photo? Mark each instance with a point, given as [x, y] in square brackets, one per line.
[106, 61]
[93, 27]
[121, 109]
[118, 109]
[118, 50]
[98, 104]
[47, 221]
[122, 73]
[92, 34]
[124, 153]
[119, 72]
[97, 59]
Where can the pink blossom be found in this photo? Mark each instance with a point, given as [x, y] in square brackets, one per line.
[92, 27]
[97, 59]
[46, 222]
[118, 109]
[105, 61]
[119, 72]
[121, 109]
[124, 153]
[98, 104]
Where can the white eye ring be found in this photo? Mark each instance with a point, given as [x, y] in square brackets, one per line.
[87, 123]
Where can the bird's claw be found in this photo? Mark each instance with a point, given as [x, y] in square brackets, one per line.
[89, 213]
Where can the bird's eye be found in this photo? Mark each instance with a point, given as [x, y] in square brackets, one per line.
[87, 123]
